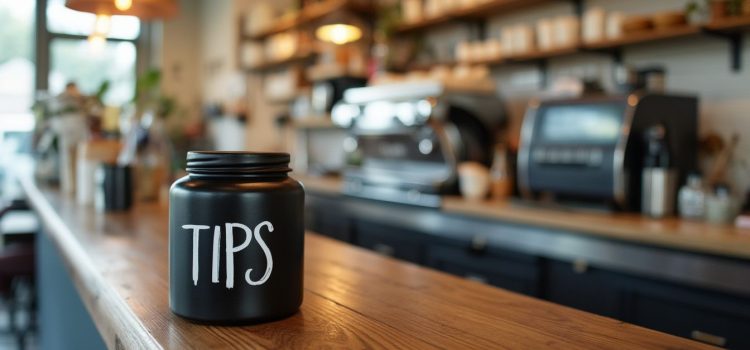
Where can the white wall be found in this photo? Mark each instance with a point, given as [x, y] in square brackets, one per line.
[180, 59]
[697, 64]
[199, 63]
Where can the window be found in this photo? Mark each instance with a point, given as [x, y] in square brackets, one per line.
[90, 65]
[17, 71]
[73, 58]
[16, 62]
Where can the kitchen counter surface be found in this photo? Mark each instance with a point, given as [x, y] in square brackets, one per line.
[353, 298]
[723, 240]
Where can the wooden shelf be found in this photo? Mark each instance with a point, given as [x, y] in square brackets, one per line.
[644, 37]
[297, 58]
[300, 91]
[522, 58]
[495, 7]
[480, 11]
[314, 122]
[308, 15]
[540, 55]
[729, 24]
[424, 24]
[429, 65]
[331, 71]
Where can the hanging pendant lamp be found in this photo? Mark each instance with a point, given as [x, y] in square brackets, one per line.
[340, 28]
[143, 9]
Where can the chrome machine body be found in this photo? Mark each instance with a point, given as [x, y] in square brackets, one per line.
[406, 140]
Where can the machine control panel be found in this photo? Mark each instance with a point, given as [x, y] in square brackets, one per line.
[568, 156]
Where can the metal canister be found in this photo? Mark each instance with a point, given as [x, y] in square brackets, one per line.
[658, 195]
[236, 238]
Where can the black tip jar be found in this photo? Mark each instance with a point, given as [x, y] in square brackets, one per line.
[236, 238]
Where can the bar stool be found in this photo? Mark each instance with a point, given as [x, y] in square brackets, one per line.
[17, 273]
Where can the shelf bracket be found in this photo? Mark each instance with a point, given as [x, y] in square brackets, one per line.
[734, 39]
[543, 68]
[614, 53]
[477, 29]
[482, 30]
[616, 56]
[578, 7]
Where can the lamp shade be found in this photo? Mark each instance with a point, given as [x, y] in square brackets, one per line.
[143, 9]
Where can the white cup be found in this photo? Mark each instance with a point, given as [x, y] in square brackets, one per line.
[473, 180]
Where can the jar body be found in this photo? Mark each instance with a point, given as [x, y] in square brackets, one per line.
[236, 249]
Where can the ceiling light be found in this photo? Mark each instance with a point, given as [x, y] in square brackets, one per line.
[143, 9]
[339, 33]
[123, 5]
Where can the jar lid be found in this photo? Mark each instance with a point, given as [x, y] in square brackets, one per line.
[231, 163]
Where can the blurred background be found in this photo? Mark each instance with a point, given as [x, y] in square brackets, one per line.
[635, 108]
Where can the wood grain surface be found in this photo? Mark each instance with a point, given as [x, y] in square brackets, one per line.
[353, 298]
[722, 240]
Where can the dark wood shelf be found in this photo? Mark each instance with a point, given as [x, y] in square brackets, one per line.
[644, 37]
[424, 23]
[297, 58]
[495, 7]
[481, 11]
[540, 55]
[323, 122]
[729, 24]
[308, 15]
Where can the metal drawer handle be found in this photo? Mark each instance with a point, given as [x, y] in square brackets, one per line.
[476, 278]
[580, 266]
[708, 338]
[478, 244]
[383, 249]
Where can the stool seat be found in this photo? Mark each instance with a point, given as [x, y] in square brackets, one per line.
[16, 260]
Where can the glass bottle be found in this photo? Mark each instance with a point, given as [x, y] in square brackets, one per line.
[692, 198]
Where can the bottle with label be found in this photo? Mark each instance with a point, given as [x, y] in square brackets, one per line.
[720, 205]
[659, 177]
[692, 198]
[499, 175]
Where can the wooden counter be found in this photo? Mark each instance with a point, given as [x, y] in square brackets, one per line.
[353, 298]
[723, 240]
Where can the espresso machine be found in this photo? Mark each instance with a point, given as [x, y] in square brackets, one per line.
[591, 151]
[406, 140]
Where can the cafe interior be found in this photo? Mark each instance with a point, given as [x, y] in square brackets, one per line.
[515, 174]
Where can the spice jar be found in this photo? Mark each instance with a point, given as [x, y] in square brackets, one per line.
[236, 238]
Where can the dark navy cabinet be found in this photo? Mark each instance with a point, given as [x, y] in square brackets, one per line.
[583, 287]
[502, 268]
[389, 240]
[703, 297]
[715, 318]
[324, 215]
[712, 317]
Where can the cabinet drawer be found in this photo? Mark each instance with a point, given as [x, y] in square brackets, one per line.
[722, 320]
[389, 240]
[577, 285]
[508, 270]
[327, 219]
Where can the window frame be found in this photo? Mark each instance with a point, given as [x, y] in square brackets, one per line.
[44, 38]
